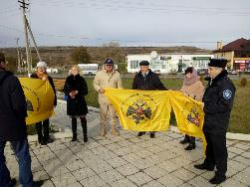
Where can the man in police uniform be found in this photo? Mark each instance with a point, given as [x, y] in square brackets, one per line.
[218, 102]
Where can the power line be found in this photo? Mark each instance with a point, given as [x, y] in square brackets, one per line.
[13, 3]
[112, 40]
[11, 28]
[121, 5]
[9, 11]
[140, 3]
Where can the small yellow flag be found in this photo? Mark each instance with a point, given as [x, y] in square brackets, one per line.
[141, 110]
[188, 113]
[40, 99]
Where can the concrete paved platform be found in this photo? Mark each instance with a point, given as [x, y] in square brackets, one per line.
[126, 160]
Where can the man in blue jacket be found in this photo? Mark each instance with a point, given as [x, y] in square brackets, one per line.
[218, 102]
[13, 127]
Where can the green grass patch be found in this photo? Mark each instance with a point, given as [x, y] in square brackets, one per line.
[240, 116]
[31, 129]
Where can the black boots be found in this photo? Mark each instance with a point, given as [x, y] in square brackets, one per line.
[190, 146]
[217, 179]
[190, 140]
[74, 129]
[141, 133]
[41, 140]
[42, 129]
[204, 167]
[84, 128]
[185, 140]
[152, 134]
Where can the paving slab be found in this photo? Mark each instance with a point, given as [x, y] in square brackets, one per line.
[125, 160]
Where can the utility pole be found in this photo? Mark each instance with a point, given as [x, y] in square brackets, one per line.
[33, 39]
[21, 60]
[18, 56]
[24, 6]
[31, 60]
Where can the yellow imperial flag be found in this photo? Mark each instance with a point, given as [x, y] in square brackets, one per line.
[40, 99]
[141, 110]
[188, 113]
[151, 111]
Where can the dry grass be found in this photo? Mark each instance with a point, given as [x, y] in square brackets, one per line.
[240, 116]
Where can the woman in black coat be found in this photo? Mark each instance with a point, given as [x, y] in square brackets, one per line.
[75, 89]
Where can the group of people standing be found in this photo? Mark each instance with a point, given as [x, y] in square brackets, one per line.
[217, 98]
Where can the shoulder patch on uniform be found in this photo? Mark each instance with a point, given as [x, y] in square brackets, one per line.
[227, 94]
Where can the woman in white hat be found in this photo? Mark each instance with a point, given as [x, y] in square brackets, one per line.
[43, 136]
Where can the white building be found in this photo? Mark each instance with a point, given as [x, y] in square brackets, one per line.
[164, 63]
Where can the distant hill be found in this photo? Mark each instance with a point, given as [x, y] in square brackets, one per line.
[60, 55]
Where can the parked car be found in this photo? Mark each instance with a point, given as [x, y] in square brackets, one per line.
[52, 70]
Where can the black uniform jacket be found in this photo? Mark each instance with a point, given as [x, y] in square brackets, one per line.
[13, 108]
[78, 105]
[218, 102]
[150, 82]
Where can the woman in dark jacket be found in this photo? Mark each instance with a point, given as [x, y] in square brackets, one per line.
[75, 89]
[43, 137]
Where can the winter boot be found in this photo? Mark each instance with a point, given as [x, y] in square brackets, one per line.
[84, 128]
[74, 129]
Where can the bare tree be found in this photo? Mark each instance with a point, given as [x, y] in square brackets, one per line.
[80, 55]
[114, 51]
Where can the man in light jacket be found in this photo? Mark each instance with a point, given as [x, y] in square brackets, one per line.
[108, 77]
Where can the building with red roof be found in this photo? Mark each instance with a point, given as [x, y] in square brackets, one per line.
[237, 53]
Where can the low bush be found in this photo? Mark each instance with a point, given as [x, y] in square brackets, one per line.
[243, 82]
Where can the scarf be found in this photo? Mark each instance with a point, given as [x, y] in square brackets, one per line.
[42, 75]
[194, 77]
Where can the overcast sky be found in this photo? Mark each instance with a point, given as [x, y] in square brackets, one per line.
[198, 23]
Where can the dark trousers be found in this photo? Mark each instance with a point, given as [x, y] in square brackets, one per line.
[42, 129]
[74, 126]
[216, 153]
[21, 149]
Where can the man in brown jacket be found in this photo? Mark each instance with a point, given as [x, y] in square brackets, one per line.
[108, 77]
